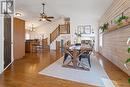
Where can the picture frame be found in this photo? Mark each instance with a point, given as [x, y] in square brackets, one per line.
[7, 7]
[84, 29]
[87, 29]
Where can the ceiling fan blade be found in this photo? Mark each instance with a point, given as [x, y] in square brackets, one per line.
[48, 20]
[40, 19]
[50, 17]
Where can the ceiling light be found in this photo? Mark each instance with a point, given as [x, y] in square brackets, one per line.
[18, 14]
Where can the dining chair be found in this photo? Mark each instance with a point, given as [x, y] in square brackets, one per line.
[85, 55]
[67, 52]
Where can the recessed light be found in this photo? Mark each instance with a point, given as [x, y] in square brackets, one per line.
[18, 14]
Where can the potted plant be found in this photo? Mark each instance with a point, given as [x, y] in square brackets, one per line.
[78, 37]
[128, 60]
[104, 27]
[78, 34]
[121, 20]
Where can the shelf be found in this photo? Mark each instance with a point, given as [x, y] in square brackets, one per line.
[116, 27]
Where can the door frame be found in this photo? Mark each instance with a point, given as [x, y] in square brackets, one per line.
[2, 44]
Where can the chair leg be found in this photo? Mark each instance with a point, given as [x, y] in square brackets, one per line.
[65, 57]
[89, 61]
[80, 58]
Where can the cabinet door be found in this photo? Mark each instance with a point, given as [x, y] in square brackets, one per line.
[18, 38]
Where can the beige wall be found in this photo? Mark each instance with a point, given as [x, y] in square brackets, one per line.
[19, 38]
[114, 46]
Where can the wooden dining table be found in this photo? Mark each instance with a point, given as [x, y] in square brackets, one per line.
[75, 51]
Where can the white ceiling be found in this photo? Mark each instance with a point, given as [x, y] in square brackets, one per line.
[81, 9]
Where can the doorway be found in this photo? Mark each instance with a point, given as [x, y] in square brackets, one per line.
[7, 40]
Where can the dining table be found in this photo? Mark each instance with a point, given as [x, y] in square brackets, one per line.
[75, 51]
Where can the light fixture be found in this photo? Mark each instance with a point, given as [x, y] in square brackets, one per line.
[18, 14]
[32, 28]
[43, 19]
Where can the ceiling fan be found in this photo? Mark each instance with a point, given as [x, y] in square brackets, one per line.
[43, 16]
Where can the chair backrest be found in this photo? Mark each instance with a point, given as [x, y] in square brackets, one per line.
[68, 43]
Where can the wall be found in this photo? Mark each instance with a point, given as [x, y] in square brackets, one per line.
[114, 47]
[19, 38]
[113, 44]
[1, 44]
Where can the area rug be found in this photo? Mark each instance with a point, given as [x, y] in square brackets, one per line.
[96, 76]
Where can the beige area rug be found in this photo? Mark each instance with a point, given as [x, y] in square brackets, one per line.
[96, 76]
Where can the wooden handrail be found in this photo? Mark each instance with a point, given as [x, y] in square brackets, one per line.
[61, 29]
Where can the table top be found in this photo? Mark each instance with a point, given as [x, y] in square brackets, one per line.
[78, 47]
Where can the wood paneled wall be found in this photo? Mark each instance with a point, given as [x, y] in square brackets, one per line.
[19, 38]
[116, 8]
[114, 45]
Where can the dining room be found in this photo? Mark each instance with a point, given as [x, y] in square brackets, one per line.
[64, 43]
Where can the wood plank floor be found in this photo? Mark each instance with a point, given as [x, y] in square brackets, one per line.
[24, 72]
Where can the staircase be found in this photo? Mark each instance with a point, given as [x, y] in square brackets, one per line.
[61, 29]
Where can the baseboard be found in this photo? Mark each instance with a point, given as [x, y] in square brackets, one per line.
[7, 67]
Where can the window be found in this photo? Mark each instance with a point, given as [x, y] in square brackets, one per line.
[100, 40]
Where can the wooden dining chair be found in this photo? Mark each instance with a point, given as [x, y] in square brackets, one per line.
[74, 55]
[76, 63]
[66, 53]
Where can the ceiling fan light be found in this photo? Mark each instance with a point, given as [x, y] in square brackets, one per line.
[43, 19]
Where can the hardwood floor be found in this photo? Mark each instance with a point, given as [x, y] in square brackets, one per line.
[24, 72]
[118, 77]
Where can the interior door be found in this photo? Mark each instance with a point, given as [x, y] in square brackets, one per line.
[7, 40]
